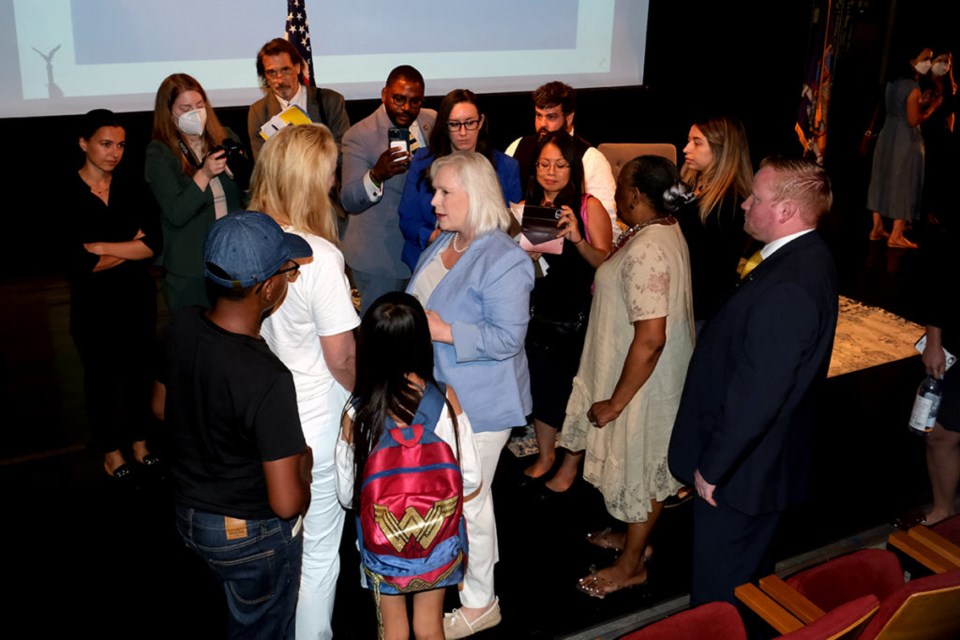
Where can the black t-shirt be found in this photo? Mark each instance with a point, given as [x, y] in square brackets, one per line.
[231, 405]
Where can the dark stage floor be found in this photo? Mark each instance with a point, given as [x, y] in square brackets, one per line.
[84, 557]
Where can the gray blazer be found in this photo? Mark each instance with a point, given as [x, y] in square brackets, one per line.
[268, 106]
[373, 242]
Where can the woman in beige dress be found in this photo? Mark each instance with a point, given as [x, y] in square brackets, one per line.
[639, 341]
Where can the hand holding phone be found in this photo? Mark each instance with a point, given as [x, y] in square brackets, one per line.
[399, 138]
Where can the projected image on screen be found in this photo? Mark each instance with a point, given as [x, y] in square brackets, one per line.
[77, 54]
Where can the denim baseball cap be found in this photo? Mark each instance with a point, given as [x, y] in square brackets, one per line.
[247, 247]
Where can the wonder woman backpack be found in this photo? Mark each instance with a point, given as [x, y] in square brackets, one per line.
[410, 525]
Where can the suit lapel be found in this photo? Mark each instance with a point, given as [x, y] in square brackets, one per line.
[464, 265]
[313, 109]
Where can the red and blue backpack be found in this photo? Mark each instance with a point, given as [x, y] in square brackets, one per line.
[410, 525]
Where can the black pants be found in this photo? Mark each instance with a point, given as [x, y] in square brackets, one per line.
[730, 548]
[117, 382]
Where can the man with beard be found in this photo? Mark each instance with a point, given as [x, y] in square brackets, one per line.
[555, 105]
[373, 179]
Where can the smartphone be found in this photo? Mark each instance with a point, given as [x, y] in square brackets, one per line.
[399, 138]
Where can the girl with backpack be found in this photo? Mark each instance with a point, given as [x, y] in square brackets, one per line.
[406, 460]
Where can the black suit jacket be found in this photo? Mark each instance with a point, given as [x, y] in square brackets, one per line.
[746, 417]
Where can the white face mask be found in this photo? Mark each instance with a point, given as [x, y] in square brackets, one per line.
[923, 67]
[193, 122]
[940, 68]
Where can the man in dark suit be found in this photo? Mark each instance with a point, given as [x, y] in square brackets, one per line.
[374, 173]
[281, 70]
[743, 434]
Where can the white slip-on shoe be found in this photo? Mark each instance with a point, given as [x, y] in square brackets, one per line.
[455, 625]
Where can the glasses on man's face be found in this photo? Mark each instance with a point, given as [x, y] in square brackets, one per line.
[293, 271]
[469, 125]
[400, 101]
[282, 72]
[559, 165]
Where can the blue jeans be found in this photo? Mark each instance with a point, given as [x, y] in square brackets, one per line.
[259, 569]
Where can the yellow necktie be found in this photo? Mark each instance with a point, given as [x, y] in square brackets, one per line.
[748, 265]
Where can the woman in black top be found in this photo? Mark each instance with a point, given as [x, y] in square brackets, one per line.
[560, 301]
[110, 236]
[717, 167]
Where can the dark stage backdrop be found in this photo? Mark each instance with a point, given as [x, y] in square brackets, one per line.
[746, 58]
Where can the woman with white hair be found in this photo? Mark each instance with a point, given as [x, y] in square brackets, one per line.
[475, 282]
[312, 333]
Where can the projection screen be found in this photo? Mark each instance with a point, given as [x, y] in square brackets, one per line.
[70, 56]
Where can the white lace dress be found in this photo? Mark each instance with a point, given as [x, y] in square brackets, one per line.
[647, 278]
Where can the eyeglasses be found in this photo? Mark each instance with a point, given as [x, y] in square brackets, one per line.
[559, 165]
[292, 272]
[400, 101]
[469, 125]
[282, 72]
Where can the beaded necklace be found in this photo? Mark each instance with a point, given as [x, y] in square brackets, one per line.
[628, 235]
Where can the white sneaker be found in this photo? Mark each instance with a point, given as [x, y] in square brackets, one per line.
[455, 625]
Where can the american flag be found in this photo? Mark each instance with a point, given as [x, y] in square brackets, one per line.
[298, 34]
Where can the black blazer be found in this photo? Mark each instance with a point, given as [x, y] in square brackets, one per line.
[746, 417]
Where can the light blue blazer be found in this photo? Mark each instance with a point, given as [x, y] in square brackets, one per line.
[486, 299]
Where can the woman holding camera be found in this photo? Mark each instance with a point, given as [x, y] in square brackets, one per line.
[189, 172]
[560, 302]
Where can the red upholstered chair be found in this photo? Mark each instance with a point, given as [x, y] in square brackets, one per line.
[712, 621]
[937, 547]
[846, 621]
[838, 581]
[922, 609]
[949, 529]
[721, 621]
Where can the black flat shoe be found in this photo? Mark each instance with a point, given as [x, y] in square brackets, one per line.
[123, 473]
[150, 460]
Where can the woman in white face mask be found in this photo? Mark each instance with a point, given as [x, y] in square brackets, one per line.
[187, 170]
[896, 182]
[941, 161]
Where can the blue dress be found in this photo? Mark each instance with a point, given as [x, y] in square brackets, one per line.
[896, 182]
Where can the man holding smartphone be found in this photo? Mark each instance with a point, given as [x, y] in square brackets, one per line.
[376, 151]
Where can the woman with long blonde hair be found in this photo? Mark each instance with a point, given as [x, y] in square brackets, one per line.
[717, 167]
[312, 333]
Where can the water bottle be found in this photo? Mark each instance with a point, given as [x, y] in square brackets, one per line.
[925, 406]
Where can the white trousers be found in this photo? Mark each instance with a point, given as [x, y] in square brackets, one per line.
[477, 589]
[322, 528]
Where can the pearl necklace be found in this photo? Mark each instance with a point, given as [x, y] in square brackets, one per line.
[453, 243]
[628, 235]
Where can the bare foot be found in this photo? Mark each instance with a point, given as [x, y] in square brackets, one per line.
[113, 460]
[560, 483]
[538, 468]
[900, 242]
[140, 450]
[610, 580]
[935, 516]
[608, 539]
